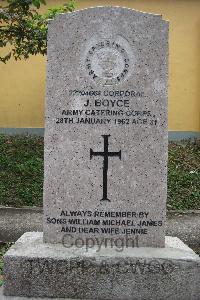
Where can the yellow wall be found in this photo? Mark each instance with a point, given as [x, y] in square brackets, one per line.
[22, 84]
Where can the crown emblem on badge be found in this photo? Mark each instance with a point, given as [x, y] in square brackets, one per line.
[107, 62]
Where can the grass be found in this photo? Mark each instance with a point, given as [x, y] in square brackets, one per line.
[184, 175]
[3, 248]
[21, 173]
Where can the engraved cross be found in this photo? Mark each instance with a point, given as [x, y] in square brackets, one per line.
[105, 154]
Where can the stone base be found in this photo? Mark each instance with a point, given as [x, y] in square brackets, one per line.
[35, 269]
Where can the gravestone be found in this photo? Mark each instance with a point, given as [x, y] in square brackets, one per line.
[105, 178]
[106, 127]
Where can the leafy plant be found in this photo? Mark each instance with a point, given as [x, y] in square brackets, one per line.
[23, 30]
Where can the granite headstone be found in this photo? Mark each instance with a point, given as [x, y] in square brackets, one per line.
[106, 127]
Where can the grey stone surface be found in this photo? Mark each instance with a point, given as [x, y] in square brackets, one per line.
[34, 268]
[106, 92]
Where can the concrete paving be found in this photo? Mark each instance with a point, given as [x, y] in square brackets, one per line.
[14, 222]
[185, 226]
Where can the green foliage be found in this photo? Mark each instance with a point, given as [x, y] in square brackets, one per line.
[24, 29]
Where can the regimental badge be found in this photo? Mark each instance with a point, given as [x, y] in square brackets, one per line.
[107, 63]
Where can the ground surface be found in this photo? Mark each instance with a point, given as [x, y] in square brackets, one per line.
[21, 173]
